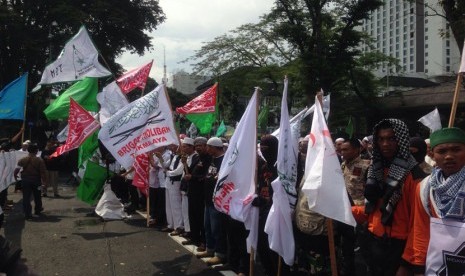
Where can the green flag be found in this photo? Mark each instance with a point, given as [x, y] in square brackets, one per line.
[92, 183]
[221, 129]
[83, 92]
[203, 121]
[263, 117]
[87, 149]
[350, 127]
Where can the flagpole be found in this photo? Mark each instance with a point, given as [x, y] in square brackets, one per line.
[280, 265]
[332, 250]
[25, 108]
[147, 207]
[455, 100]
[252, 251]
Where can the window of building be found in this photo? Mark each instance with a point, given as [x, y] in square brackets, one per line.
[447, 68]
[405, 52]
[426, 37]
[412, 10]
[426, 62]
[447, 60]
[426, 70]
[426, 21]
[426, 46]
[411, 66]
[426, 54]
[447, 52]
[405, 60]
[411, 58]
[426, 30]
[447, 43]
[411, 42]
[411, 51]
[397, 54]
[412, 34]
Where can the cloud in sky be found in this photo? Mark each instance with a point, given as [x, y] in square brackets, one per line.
[189, 23]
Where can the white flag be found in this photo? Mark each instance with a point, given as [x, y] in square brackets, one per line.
[77, 60]
[296, 118]
[235, 188]
[111, 99]
[139, 127]
[432, 120]
[462, 64]
[279, 222]
[7, 166]
[324, 184]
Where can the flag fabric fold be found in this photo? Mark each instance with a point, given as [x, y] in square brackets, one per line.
[235, 188]
[432, 120]
[462, 63]
[13, 99]
[221, 129]
[81, 125]
[139, 127]
[279, 221]
[324, 183]
[88, 148]
[111, 99]
[202, 110]
[92, 182]
[134, 78]
[78, 59]
[141, 173]
[83, 92]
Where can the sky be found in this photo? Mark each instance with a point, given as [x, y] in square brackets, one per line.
[189, 23]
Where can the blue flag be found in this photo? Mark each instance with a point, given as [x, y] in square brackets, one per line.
[12, 99]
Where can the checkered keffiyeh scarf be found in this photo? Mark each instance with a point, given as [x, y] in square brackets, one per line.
[448, 194]
[389, 188]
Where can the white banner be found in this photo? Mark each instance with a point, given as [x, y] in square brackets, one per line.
[8, 163]
[324, 183]
[111, 99]
[446, 251]
[139, 127]
[77, 60]
[235, 188]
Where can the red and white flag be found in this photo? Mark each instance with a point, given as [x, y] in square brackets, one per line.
[134, 78]
[324, 183]
[235, 188]
[81, 125]
[204, 103]
[141, 173]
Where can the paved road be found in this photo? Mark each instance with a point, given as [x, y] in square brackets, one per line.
[66, 241]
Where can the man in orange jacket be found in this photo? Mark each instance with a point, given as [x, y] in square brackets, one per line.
[441, 195]
[389, 193]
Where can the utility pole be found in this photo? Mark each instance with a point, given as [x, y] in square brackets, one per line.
[165, 79]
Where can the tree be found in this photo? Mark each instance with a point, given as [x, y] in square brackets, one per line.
[33, 32]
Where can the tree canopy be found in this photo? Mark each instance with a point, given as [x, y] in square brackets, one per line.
[29, 30]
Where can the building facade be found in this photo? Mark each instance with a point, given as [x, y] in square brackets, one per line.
[413, 33]
[186, 83]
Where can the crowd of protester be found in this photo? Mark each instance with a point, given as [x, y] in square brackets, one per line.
[395, 183]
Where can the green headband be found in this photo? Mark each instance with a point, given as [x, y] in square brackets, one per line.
[447, 135]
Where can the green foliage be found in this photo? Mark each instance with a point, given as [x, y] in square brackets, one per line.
[30, 29]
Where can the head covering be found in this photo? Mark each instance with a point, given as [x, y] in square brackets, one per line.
[388, 188]
[215, 142]
[340, 139]
[427, 141]
[447, 135]
[200, 141]
[27, 142]
[271, 153]
[188, 141]
[420, 145]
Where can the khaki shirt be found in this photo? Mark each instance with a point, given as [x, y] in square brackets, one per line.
[355, 176]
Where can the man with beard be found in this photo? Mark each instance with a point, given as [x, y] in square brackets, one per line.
[389, 193]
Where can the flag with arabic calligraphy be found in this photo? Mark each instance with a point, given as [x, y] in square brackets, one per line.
[139, 127]
[201, 111]
[81, 125]
[134, 78]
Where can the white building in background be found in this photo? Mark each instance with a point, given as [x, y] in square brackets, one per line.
[186, 83]
[413, 34]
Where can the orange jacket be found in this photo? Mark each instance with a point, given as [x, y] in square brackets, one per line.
[403, 214]
[418, 240]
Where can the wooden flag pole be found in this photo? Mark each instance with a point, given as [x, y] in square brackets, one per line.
[252, 259]
[455, 100]
[280, 265]
[148, 207]
[332, 249]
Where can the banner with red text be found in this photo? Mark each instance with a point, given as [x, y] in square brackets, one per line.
[139, 127]
[81, 125]
[141, 173]
[134, 78]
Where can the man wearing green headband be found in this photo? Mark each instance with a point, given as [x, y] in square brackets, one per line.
[437, 243]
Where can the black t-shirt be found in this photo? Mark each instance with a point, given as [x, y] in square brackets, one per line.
[211, 178]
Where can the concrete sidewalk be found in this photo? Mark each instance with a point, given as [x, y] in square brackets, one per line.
[67, 241]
